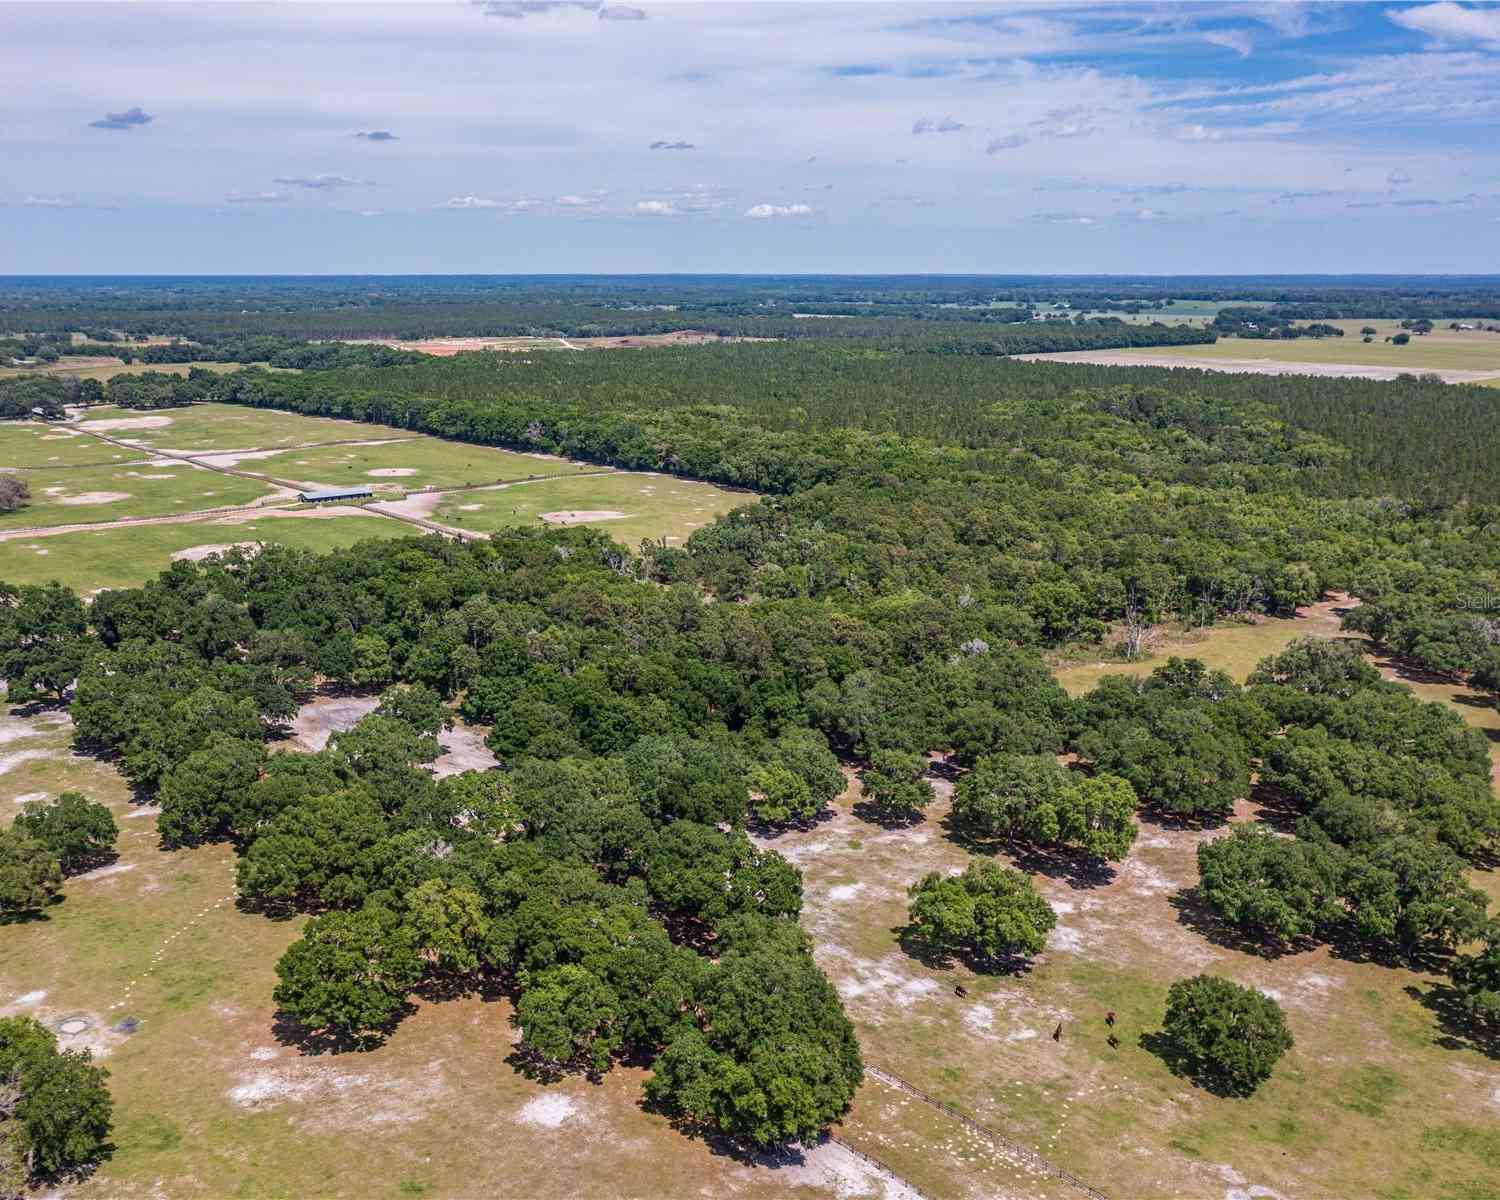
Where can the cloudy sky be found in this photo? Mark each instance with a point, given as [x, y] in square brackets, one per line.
[529, 135]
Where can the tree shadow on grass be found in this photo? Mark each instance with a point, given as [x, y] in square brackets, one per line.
[26, 916]
[288, 1031]
[1184, 1067]
[1348, 944]
[771, 830]
[939, 958]
[526, 1062]
[1459, 1031]
[1081, 872]
[1193, 912]
[872, 814]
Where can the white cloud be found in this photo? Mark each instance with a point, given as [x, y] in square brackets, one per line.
[255, 198]
[48, 202]
[761, 211]
[461, 203]
[1451, 22]
[1011, 141]
[655, 208]
[937, 125]
[316, 182]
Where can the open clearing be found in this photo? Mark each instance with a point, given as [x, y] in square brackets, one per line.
[654, 506]
[39, 444]
[234, 427]
[1467, 356]
[84, 367]
[129, 555]
[414, 462]
[75, 495]
[446, 347]
[135, 507]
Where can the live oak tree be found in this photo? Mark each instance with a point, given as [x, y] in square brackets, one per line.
[1032, 799]
[55, 1109]
[568, 1015]
[1477, 980]
[1274, 887]
[1226, 1037]
[990, 913]
[30, 874]
[349, 973]
[894, 786]
[42, 640]
[76, 830]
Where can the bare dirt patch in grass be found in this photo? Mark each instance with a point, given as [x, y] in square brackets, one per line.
[94, 498]
[581, 516]
[110, 424]
[199, 553]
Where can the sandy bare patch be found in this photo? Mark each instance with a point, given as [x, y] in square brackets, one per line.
[391, 472]
[30, 999]
[152, 475]
[578, 516]
[470, 507]
[94, 498]
[341, 1099]
[102, 426]
[199, 553]
[30, 797]
[53, 491]
[845, 892]
[550, 1111]
[318, 720]
[231, 458]
[1253, 366]
[832, 1167]
[9, 762]
[106, 872]
[463, 750]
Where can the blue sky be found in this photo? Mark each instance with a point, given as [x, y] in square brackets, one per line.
[528, 135]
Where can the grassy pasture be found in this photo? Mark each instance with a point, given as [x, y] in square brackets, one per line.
[132, 554]
[82, 367]
[86, 494]
[38, 444]
[1375, 1100]
[422, 462]
[655, 505]
[210, 427]
[1442, 349]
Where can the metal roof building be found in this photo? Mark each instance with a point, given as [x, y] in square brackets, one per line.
[360, 493]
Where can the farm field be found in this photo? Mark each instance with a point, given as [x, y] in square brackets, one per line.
[86, 367]
[1442, 350]
[39, 444]
[128, 556]
[626, 505]
[412, 462]
[98, 482]
[72, 496]
[221, 427]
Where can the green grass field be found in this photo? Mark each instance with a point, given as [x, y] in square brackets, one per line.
[1374, 1100]
[655, 505]
[230, 427]
[131, 555]
[36, 444]
[415, 463]
[85, 494]
[101, 369]
[1442, 349]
